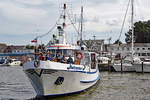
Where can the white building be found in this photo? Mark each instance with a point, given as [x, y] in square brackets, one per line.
[18, 51]
[95, 45]
[141, 49]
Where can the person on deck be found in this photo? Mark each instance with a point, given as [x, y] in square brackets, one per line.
[70, 60]
[59, 57]
[41, 57]
[63, 60]
[49, 55]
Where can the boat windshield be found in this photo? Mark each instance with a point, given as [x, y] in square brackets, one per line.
[127, 61]
[86, 59]
[63, 52]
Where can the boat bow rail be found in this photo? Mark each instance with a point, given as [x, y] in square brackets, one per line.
[52, 65]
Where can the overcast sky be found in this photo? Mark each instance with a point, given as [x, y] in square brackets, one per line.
[23, 20]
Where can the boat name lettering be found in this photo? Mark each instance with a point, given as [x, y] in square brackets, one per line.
[73, 67]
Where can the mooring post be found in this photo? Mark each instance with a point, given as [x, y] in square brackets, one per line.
[121, 66]
[109, 66]
[142, 67]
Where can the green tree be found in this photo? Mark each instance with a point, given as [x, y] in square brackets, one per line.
[29, 47]
[118, 42]
[141, 32]
[128, 36]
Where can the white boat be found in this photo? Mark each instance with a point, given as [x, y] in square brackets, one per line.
[103, 61]
[53, 78]
[144, 66]
[3, 62]
[127, 64]
[13, 62]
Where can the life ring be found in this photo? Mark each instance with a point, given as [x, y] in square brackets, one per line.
[36, 63]
[79, 55]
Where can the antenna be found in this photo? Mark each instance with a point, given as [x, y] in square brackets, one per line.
[94, 37]
[81, 30]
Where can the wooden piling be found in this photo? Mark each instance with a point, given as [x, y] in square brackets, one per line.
[109, 66]
[142, 67]
[121, 66]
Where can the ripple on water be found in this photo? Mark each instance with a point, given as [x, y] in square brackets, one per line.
[112, 86]
[14, 84]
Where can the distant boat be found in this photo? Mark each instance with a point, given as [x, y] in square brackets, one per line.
[3, 61]
[126, 64]
[103, 61]
[144, 66]
[56, 77]
[13, 62]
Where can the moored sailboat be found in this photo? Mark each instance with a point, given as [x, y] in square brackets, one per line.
[129, 62]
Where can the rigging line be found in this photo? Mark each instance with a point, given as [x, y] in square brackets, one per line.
[47, 32]
[72, 23]
[124, 20]
[40, 36]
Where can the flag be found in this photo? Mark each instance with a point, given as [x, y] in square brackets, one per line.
[35, 40]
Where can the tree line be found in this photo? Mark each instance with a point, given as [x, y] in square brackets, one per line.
[141, 33]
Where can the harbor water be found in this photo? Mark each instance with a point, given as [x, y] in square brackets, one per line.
[112, 86]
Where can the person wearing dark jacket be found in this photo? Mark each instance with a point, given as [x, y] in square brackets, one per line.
[69, 60]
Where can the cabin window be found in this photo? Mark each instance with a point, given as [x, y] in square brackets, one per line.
[127, 61]
[143, 54]
[93, 61]
[138, 48]
[143, 48]
[53, 52]
[139, 54]
[69, 52]
[87, 59]
[148, 48]
[148, 54]
[65, 52]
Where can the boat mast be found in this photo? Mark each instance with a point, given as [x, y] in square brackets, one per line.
[132, 26]
[64, 24]
[61, 29]
[81, 30]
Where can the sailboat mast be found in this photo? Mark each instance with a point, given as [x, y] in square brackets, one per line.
[81, 30]
[132, 26]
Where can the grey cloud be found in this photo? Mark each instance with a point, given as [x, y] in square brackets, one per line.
[95, 19]
[112, 22]
[102, 1]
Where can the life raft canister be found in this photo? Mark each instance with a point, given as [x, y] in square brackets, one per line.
[36, 63]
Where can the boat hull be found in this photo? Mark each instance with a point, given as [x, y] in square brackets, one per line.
[124, 68]
[146, 67]
[44, 81]
[15, 63]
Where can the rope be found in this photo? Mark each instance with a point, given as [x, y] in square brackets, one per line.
[47, 32]
[40, 36]
[73, 23]
[124, 20]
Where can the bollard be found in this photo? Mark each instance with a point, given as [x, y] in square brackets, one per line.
[121, 66]
[109, 66]
[142, 67]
